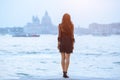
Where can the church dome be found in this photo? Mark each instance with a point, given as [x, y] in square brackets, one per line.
[46, 20]
[35, 20]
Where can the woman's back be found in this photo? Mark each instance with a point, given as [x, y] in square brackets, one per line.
[66, 37]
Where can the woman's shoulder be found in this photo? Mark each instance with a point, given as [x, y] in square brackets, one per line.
[59, 26]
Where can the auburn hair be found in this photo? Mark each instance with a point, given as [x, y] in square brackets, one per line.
[67, 26]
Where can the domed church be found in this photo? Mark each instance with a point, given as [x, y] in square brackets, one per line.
[45, 27]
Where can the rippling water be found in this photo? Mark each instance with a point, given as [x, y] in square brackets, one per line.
[26, 56]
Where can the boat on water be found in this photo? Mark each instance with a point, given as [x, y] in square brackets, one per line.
[26, 35]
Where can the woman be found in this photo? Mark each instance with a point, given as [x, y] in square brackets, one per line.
[65, 42]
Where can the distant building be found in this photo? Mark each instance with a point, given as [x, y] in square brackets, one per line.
[45, 27]
[3, 31]
[115, 28]
[46, 20]
[81, 31]
[104, 29]
[33, 27]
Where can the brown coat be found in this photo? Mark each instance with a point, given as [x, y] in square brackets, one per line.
[65, 41]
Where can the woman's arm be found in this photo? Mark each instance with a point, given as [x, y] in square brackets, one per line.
[73, 34]
[59, 36]
[59, 33]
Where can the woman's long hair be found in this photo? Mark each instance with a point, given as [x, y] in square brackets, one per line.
[67, 26]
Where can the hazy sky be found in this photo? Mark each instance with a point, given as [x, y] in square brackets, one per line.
[83, 12]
